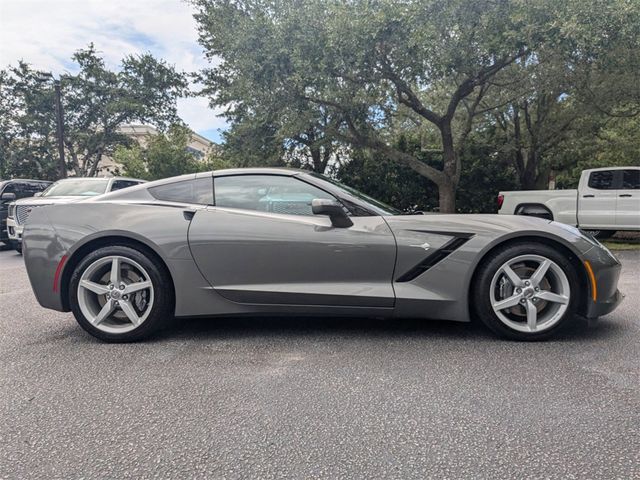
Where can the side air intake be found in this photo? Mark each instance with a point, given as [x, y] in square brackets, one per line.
[435, 258]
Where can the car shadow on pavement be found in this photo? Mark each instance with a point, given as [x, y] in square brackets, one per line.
[206, 329]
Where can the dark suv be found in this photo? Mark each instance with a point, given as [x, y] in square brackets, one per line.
[11, 190]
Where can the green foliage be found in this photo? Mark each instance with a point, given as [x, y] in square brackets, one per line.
[162, 156]
[96, 103]
[363, 73]
[482, 178]
[27, 129]
[599, 142]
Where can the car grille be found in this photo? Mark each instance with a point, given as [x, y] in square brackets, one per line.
[22, 213]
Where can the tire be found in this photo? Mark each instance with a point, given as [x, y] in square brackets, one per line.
[601, 234]
[139, 302]
[17, 246]
[510, 306]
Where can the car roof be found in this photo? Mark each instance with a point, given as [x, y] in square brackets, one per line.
[601, 169]
[258, 171]
[24, 180]
[102, 178]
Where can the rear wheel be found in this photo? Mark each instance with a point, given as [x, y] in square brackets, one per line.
[119, 294]
[526, 291]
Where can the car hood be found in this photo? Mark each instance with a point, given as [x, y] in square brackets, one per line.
[492, 228]
[471, 223]
[48, 200]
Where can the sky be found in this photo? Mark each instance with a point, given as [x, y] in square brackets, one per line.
[45, 33]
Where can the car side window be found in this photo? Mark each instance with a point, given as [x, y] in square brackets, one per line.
[602, 180]
[199, 190]
[120, 184]
[631, 179]
[267, 193]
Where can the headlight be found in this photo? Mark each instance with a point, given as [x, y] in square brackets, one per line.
[12, 210]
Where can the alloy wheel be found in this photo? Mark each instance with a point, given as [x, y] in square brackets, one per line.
[115, 294]
[530, 293]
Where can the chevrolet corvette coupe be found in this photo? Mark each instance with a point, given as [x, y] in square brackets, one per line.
[287, 242]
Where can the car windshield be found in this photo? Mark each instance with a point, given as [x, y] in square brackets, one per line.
[376, 205]
[77, 187]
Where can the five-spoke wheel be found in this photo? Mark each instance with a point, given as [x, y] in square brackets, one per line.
[120, 294]
[526, 291]
[530, 293]
[115, 294]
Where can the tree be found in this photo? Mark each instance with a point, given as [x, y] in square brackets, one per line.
[570, 91]
[482, 176]
[372, 67]
[162, 156]
[96, 103]
[27, 129]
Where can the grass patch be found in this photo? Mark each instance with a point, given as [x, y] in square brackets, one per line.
[613, 245]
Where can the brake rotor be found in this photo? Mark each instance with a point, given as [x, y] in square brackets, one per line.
[506, 290]
[139, 299]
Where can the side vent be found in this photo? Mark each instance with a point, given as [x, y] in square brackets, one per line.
[435, 258]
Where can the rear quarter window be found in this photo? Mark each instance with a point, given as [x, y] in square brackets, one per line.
[199, 191]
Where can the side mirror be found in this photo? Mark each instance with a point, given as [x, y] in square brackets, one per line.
[37, 194]
[8, 197]
[335, 211]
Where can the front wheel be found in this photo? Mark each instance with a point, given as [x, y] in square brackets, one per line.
[119, 294]
[526, 291]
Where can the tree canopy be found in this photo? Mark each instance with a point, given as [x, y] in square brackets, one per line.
[162, 156]
[364, 73]
[96, 103]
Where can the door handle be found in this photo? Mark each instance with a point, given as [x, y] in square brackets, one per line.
[626, 195]
[588, 196]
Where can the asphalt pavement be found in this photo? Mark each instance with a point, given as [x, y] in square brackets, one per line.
[316, 398]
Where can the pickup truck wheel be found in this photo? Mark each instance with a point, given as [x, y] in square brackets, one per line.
[526, 291]
[601, 234]
[118, 294]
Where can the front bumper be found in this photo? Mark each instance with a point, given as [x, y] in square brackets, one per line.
[606, 270]
[14, 231]
[600, 308]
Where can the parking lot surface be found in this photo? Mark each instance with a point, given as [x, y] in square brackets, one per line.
[316, 398]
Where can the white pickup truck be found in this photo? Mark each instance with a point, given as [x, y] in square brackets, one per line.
[607, 200]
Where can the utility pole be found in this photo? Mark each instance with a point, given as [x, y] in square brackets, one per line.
[60, 130]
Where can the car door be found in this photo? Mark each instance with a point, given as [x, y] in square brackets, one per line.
[597, 200]
[628, 199]
[261, 243]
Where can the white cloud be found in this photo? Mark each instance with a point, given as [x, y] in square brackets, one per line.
[45, 33]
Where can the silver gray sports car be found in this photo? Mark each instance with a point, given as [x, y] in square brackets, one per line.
[276, 241]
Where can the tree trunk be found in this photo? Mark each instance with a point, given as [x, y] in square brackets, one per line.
[528, 175]
[447, 197]
[447, 188]
[316, 158]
